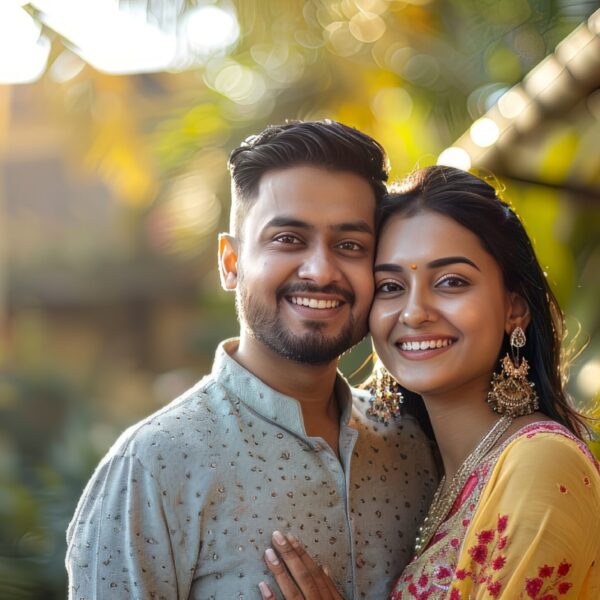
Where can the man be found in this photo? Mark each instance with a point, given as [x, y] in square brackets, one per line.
[184, 504]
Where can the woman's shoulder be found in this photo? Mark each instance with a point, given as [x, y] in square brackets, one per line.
[544, 447]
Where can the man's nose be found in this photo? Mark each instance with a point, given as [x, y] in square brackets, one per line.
[320, 266]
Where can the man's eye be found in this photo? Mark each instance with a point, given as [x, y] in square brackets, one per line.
[286, 238]
[350, 246]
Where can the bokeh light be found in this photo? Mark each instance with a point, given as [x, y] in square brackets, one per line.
[455, 157]
[210, 28]
[23, 50]
[484, 132]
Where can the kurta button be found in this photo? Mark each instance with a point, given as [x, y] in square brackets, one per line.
[360, 561]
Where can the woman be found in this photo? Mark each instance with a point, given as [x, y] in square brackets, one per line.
[464, 318]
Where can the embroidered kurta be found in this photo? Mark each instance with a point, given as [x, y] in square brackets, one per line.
[184, 504]
[526, 525]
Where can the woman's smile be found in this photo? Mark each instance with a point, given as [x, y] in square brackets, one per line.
[423, 348]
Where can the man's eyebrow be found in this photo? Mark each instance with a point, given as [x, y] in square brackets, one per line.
[287, 222]
[434, 264]
[353, 226]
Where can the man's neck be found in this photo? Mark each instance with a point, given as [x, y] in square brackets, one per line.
[311, 385]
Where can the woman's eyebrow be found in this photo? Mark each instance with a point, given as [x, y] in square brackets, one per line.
[434, 264]
[451, 260]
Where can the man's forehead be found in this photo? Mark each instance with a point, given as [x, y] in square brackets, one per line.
[314, 194]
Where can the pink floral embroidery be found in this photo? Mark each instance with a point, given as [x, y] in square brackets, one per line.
[486, 536]
[563, 489]
[502, 523]
[533, 586]
[564, 587]
[494, 589]
[479, 553]
[546, 571]
[443, 573]
[488, 565]
[542, 587]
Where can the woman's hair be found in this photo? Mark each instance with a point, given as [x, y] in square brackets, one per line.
[474, 204]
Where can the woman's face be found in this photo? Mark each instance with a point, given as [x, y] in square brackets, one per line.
[440, 308]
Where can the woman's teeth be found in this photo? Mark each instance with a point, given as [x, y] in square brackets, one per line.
[426, 344]
[313, 303]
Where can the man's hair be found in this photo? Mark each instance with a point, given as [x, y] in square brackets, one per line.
[326, 144]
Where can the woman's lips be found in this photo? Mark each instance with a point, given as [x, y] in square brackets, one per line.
[423, 347]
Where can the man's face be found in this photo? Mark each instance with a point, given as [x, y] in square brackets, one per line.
[304, 265]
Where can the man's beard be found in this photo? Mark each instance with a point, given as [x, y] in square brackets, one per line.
[312, 347]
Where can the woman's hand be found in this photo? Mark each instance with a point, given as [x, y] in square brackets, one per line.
[298, 576]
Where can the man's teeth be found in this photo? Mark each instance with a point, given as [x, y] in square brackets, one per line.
[313, 303]
[425, 344]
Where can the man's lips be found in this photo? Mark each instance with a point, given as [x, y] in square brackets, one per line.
[315, 302]
[330, 296]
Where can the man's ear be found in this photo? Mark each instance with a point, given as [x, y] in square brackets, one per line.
[228, 254]
[517, 314]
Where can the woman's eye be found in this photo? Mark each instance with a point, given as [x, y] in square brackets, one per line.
[389, 287]
[452, 281]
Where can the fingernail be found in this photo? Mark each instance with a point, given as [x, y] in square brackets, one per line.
[265, 590]
[327, 571]
[271, 556]
[293, 541]
[279, 538]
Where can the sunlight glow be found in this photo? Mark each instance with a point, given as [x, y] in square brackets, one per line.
[588, 380]
[110, 39]
[455, 157]
[209, 28]
[484, 132]
[23, 53]
[511, 105]
[120, 38]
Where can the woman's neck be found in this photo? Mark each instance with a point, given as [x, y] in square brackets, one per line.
[459, 421]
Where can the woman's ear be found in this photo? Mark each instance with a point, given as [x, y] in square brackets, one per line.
[228, 261]
[517, 314]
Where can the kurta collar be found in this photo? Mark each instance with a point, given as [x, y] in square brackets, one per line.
[264, 400]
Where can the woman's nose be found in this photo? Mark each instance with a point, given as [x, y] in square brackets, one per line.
[416, 311]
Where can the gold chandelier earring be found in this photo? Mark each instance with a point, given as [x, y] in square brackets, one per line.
[512, 393]
[385, 397]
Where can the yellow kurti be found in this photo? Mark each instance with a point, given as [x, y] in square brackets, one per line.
[526, 525]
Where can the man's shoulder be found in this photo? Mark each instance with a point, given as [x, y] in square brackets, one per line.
[189, 421]
[406, 425]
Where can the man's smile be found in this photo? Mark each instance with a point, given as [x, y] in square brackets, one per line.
[314, 302]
